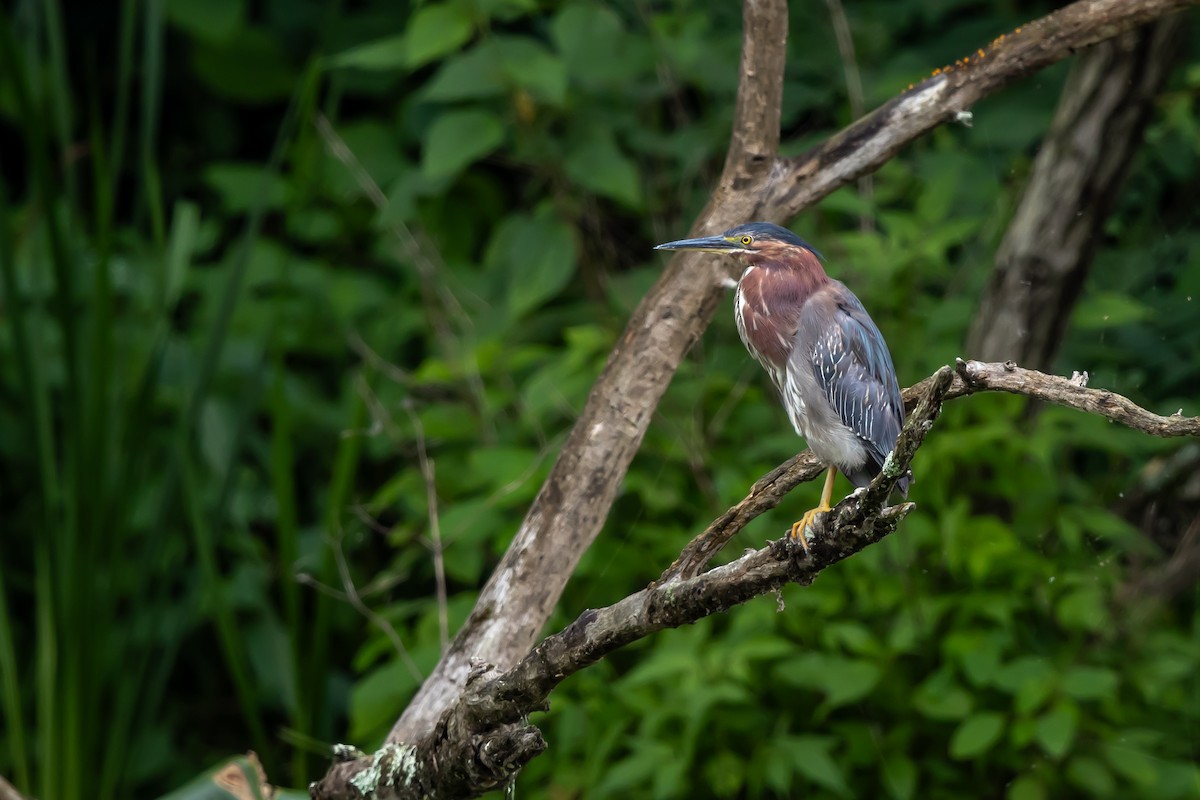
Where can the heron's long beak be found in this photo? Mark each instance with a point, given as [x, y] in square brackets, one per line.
[707, 244]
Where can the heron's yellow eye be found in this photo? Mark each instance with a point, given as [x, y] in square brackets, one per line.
[746, 240]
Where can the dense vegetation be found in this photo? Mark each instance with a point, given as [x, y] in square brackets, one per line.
[260, 259]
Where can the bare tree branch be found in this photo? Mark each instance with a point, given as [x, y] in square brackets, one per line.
[876, 138]
[977, 376]
[8, 791]
[484, 738]
[570, 509]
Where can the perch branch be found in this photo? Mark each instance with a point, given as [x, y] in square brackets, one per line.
[484, 738]
[970, 377]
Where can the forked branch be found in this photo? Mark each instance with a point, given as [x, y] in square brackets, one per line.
[756, 184]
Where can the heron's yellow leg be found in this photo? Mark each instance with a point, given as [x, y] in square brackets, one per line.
[806, 521]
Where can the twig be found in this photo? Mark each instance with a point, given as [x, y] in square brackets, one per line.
[427, 265]
[368, 354]
[435, 528]
[350, 594]
[876, 138]
[854, 92]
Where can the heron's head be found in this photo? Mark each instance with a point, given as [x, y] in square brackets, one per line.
[753, 242]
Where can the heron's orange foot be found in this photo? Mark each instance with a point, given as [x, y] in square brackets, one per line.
[799, 528]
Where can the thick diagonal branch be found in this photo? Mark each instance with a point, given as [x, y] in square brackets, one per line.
[876, 138]
[571, 506]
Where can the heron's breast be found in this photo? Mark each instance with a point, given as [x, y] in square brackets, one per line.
[766, 320]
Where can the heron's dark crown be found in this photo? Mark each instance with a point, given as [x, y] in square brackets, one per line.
[763, 232]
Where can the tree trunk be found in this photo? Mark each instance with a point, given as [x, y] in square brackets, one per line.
[1048, 249]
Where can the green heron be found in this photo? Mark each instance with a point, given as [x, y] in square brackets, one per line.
[823, 352]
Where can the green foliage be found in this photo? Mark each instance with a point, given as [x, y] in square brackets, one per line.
[270, 254]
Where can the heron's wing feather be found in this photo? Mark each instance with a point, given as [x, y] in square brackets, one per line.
[853, 367]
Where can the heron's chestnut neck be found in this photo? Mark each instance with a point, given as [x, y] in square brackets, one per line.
[793, 273]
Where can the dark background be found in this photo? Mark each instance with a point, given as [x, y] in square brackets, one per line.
[258, 255]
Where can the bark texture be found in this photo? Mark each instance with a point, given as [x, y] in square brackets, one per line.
[484, 738]
[756, 184]
[1051, 242]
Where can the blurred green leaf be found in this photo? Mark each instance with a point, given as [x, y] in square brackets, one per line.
[459, 138]
[243, 187]
[1091, 775]
[434, 31]
[377, 698]
[1131, 763]
[1100, 310]
[1082, 609]
[470, 75]
[1089, 683]
[507, 10]
[636, 769]
[851, 681]
[537, 254]
[237, 778]
[589, 38]
[1056, 728]
[597, 163]
[940, 698]
[529, 65]
[387, 53]
[810, 756]
[211, 20]
[842, 680]
[1026, 787]
[248, 67]
[976, 735]
[900, 778]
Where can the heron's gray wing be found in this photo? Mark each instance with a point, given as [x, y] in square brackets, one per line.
[853, 367]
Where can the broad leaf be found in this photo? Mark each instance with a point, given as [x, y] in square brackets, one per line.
[535, 255]
[435, 31]
[387, 53]
[459, 138]
[1055, 729]
[976, 735]
[595, 162]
